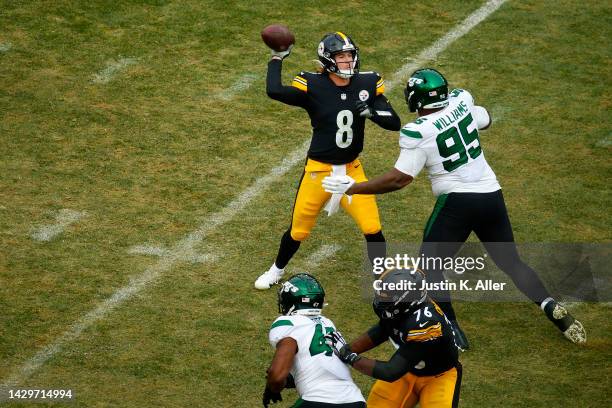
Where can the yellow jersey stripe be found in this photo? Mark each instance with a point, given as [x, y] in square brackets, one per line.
[429, 333]
[301, 80]
[380, 87]
[434, 327]
[437, 308]
[299, 85]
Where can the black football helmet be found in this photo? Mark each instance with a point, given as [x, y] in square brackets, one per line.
[400, 291]
[332, 44]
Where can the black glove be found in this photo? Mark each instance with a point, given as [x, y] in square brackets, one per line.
[340, 348]
[364, 109]
[347, 356]
[290, 382]
[270, 396]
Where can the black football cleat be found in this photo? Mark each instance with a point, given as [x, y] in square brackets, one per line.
[571, 328]
[461, 340]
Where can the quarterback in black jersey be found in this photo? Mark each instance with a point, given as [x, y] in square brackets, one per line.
[338, 100]
[425, 368]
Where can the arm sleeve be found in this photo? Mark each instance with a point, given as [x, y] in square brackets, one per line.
[384, 115]
[391, 370]
[411, 161]
[377, 335]
[276, 90]
[483, 119]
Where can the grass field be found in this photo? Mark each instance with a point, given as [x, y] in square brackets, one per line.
[151, 119]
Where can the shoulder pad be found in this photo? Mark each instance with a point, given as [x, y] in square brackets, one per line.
[282, 321]
[327, 322]
[293, 320]
[380, 82]
[456, 92]
[380, 86]
[370, 75]
[463, 94]
[410, 136]
[427, 327]
[300, 81]
[437, 308]
[285, 326]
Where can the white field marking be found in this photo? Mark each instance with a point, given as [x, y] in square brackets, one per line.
[64, 218]
[605, 142]
[165, 263]
[148, 250]
[182, 250]
[315, 259]
[241, 85]
[498, 113]
[326, 251]
[159, 251]
[112, 68]
[436, 48]
[4, 47]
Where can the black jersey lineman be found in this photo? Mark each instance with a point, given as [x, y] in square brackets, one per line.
[426, 352]
[425, 339]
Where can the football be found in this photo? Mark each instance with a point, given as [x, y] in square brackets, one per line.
[278, 37]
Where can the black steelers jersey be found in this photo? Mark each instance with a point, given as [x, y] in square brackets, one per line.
[425, 339]
[337, 127]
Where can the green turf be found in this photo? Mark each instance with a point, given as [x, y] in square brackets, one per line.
[151, 154]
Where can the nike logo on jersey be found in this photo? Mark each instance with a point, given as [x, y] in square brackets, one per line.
[423, 324]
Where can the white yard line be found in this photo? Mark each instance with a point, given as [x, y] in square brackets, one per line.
[313, 261]
[181, 251]
[442, 44]
[160, 251]
[5, 47]
[323, 253]
[605, 142]
[498, 113]
[112, 69]
[148, 250]
[241, 85]
[187, 244]
[64, 218]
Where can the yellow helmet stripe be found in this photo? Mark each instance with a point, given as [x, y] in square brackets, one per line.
[344, 37]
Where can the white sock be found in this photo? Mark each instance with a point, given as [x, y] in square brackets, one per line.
[545, 302]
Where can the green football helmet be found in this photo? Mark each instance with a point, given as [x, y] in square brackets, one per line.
[426, 89]
[301, 294]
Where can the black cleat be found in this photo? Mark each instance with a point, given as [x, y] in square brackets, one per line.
[461, 340]
[571, 328]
